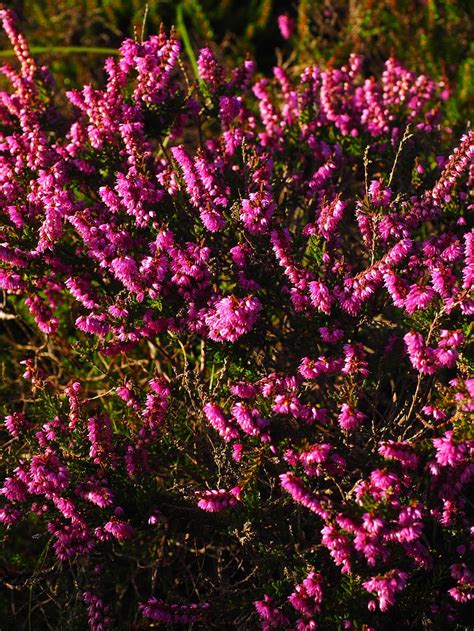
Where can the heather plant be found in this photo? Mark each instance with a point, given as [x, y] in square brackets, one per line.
[431, 36]
[239, 310]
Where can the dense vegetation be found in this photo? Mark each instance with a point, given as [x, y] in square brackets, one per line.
[236, 328]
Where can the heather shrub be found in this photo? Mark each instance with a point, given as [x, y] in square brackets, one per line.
[431, 36]
[239, 385]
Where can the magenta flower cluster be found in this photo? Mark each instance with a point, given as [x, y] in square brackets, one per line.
[292, 256]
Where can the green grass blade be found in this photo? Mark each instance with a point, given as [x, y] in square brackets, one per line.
[64, 50]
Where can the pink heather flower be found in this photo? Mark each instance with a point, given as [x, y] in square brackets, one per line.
[379, 195]
[469, 385]
[320, 296]
[11, 282]
[15, 423]
[248, 419]
[100, 437]
[256, 212]
[93, 324]
[71, 539]
[446, 358]
[155, 517]
[464, 591]
[422, 358]
[217, 500]
[19, 43]
[231, 317]
[244, 390]
[410, 525]
[315, 454]
[339, 546]
[468, 270]
[97, 611]
[117, 311]
[418, 298]
[450, 338]
[401, 451]
[126, 271]
[42, 315]
[270, 616]
[96, 491]
[67, 508]
[238, 254]
[218, 421]
[201, 188]
[47, 475]
[458, 161]
[331, 336]
[156, 404]
[306, 624]
[386, 587]
[436, 413]
[448, 452]
[125, 392]
[229, 108]
[381, 486]
[286, 25]
[295, 487]
[355, 362]
[287, 403]
[350, 418]
[371, 524]
[209, 68]
[102, 497]
[310, 368]
[308, 596]
[9, 514]
[72, 394]
[118, 529]
[14, 489]
[399, 251]
[82, 291]
[237, 449]
[464, 394]
[159, 610]
[367, 540]
[329, 218]
[33, 372]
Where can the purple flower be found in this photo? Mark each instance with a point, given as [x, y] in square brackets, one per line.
[286, 25]
[349, 418]
[308, 595]
[217, 500]
[218, 421]
[159, 610]
[269, 614]
[386, 587]
[119, 529]
[231, 317]
[15, 423]
[448, 452]
[295, 487]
